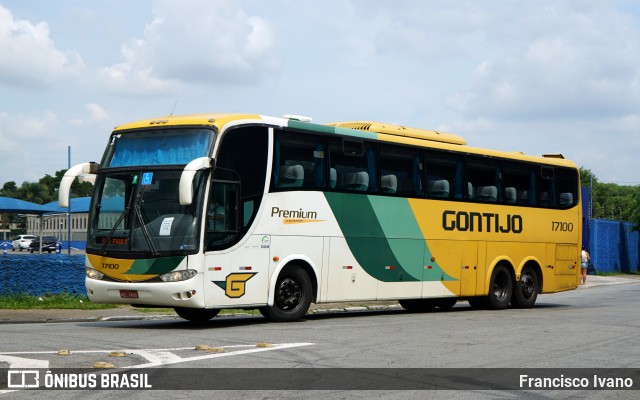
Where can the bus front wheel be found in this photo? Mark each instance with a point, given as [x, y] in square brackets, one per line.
[526, 290]
[196, 314]
[292, 296]
[500, 288]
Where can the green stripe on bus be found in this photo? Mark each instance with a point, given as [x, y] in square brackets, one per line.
[155, 266]
[384, 237]
[332, 130]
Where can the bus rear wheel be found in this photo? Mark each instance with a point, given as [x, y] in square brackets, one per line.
[292, 296]
[500, 288]
[526, 290]
[479, 303]
[196, 314]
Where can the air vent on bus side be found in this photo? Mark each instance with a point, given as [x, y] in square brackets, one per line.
[399, 130]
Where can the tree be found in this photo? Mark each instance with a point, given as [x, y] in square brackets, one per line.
[612, 201]
[35, 193]
[635, 214]
[9, 189]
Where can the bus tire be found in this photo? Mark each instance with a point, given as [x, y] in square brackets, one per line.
[265, 312]
[418, 305]
[196, 314]
[526, 289]
[479, 303]
[292, 296]
[446, 303]
[500, 288]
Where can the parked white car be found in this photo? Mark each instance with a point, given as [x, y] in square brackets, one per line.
[22, 242]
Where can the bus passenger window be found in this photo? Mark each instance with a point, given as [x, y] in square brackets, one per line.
[519, 179]
[567, 182]
[445, 173]
[354, 163]
[547, 189]
[484, 175]
[401, 171]
[298, 162]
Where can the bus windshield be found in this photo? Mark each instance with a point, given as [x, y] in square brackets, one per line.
[139, 213]
[157, 147]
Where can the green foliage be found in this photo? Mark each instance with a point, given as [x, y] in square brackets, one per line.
[45, 190]
[612, 201]
[20, 301]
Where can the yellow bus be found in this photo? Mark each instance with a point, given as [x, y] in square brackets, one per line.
[207, 212]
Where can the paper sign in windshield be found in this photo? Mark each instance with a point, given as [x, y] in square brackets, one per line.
[165, 227]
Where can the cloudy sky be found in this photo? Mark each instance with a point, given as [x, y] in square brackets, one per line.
[529, 75]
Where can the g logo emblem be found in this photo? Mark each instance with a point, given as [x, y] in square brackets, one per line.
[235, 285]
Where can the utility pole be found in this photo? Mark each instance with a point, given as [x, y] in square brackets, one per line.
[69, 207]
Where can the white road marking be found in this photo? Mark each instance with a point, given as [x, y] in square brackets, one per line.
[217, 355]
[23, 363]
[156, 357]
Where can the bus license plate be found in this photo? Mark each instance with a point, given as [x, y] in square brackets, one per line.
[129, 294]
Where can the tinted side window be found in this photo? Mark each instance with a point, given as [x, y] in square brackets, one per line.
[567, 183]
[401, 171]
[519, 183]
[352, 165]
[546, 188]
[298, 162]
[483, 180]
[444, 175]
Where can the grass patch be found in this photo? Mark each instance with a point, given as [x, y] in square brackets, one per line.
[20, 301]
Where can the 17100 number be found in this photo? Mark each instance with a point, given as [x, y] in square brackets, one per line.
[561, 226]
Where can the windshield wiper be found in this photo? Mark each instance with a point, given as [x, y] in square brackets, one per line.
[143, 227]
[122, 216]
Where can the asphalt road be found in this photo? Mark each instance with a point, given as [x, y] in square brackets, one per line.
[589, 328]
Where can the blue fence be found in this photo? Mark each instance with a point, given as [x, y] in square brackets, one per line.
[614, 246]
[39, 274]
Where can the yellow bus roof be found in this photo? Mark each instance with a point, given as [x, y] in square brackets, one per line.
[213, 119]
[363, 129]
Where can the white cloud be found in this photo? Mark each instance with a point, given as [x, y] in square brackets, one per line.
[27, 143]
[96, 114]
[30, 58]
[195, 42]
[569, 60]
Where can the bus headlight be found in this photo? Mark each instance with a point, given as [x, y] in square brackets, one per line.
[176, 276]
[93, 274]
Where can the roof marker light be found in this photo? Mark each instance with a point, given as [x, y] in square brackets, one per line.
[300, 118]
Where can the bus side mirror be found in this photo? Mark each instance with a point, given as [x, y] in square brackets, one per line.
[186, 178]
[69, 176]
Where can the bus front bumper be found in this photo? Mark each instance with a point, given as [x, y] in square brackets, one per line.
[187, 293]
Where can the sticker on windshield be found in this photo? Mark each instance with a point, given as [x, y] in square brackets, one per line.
[165, 227]
[147, 178]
